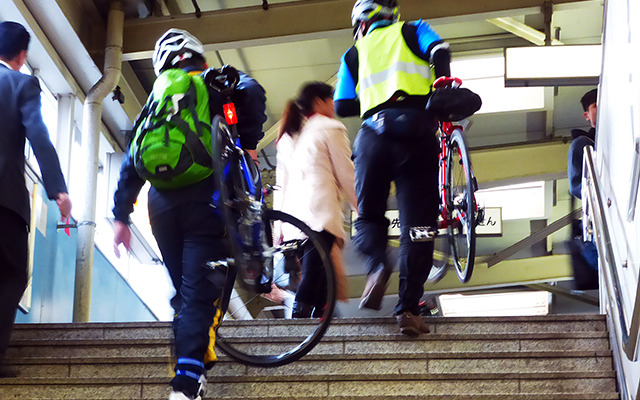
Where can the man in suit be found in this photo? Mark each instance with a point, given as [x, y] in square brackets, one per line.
[21, 118]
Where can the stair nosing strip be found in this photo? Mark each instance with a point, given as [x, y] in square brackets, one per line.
[328, 357]
[333, 338]
[364, 320]
[321, 378]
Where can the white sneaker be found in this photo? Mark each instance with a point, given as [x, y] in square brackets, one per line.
[179, 396]
[202, 390]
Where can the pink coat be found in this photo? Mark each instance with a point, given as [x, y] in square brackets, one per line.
[314, 172]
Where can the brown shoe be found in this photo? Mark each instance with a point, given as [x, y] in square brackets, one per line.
[375, 289]
[412, 325]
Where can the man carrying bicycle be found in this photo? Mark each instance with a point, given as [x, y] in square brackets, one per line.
[184, 224]
[386, 78]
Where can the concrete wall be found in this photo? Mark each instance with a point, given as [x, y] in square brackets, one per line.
[53, 277]
[617, 131]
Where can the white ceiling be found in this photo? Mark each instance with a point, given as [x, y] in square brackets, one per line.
[283, 65]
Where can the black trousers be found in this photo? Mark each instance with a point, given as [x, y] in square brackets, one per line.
[14, 236]
[313, 284]
[398, 145]
[188, 236]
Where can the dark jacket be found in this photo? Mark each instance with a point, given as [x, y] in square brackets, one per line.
[591, 133]
[250, 104]
[20, 119]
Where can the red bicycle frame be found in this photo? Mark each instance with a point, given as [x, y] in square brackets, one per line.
[447, 128]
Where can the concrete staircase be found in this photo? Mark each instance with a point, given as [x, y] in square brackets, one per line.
[521, 358]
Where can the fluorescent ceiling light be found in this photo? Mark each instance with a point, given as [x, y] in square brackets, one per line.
[521, 201]
[495, 304]
[485, 76]
[578, 65]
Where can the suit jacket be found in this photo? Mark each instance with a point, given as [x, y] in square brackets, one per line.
[21, 119]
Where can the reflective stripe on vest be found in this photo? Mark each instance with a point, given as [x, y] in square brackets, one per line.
[387, 65]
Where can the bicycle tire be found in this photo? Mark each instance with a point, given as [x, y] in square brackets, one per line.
[230, 196]
[222, 155]
[272, 338]
[461, 207]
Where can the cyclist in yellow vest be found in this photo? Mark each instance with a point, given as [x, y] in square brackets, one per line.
[386, 78]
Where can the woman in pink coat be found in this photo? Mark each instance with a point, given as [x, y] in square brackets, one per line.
[314, 171]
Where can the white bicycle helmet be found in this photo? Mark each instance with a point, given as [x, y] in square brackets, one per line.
[365, 10]
[174, 46]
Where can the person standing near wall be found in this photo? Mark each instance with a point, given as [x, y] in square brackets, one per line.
[584, 254]
[581, 139]
[314, 171]
[21, 116]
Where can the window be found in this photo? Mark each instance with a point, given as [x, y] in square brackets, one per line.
[495, 304]
[485, 76]
[521, 201]
[49, 116]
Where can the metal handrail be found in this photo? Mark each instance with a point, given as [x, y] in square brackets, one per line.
[626, 331]
[635, 182]
[629, 329]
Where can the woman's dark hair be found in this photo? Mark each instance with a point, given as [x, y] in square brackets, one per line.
[301, 107]
[13, 39]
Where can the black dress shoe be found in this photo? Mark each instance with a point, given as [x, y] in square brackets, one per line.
[301, 310]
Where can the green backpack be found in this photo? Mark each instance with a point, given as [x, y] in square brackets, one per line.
[171, 145]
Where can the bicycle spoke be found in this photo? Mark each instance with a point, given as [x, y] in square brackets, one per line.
[273, 337]
[460, 208]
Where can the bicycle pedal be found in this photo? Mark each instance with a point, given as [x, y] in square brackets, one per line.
[422, 234]
[480, 216]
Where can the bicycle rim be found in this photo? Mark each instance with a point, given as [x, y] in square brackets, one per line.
[222, 154]
[461, 207]
[259, 329]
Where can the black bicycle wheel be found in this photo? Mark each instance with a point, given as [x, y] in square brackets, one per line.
[258, 329]
[461, 207]
[223, 156]
[230, 197]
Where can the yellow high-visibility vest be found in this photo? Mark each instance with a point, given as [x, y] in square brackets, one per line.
[387, 65]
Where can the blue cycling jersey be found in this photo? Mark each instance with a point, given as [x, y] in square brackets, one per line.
[346, 86]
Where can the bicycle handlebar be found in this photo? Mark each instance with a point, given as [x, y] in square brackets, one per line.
[447, 81]
[222, 80]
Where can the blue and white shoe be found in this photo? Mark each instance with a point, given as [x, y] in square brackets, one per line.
[202, 390]
[179, 396]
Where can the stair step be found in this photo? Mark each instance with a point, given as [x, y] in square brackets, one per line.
[339, 327]
[421, 346]
[559, 357]
[319, 387]
[325, 366]
[518, 396]
[369, 356]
